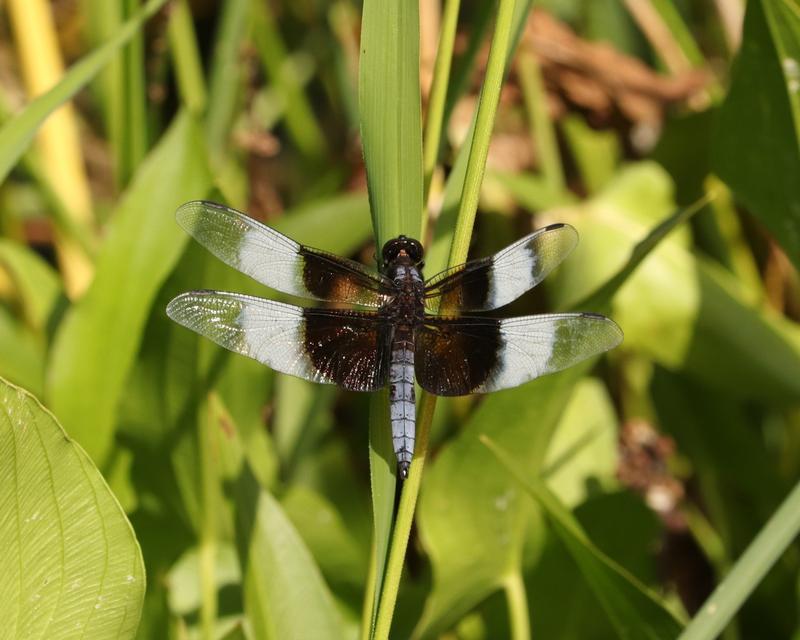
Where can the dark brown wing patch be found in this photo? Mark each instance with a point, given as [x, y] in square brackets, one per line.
[330, 277]
[465, 286]
[348, 348]
[455, 356]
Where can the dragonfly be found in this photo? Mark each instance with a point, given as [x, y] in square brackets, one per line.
[395, 335]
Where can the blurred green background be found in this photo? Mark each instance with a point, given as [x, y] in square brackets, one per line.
[258, 507]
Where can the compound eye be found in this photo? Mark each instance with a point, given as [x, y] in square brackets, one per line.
[414, 250]
[389, 251]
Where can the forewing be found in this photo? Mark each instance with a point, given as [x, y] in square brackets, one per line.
[456, 356]
[489, 283]
[278, 261]
[330, 346]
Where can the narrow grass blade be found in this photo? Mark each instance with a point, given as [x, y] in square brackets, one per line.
[17, 134]
[441, 80]
[186, 56]
[436, 255]
[517, 600]
[71, 565]
[543, 131]
[632, 608]
[776, 536]
[484, 123]
[225, 81]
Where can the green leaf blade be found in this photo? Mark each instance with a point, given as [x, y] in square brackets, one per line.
[760, 160]
[782, 528]
[468, 498]
[633, 610]
[97, 341]
[285, 595]
[71, 565]
[391, 121]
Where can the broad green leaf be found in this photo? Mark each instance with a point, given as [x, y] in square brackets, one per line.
[36, 282]
[97, 341]
[71, 565]
[16, 134]
[562, 602]
[634, 610]
[301, 409]
[182, 580]
[391, 123]
[735, 474]
[639, 198]
[638, 253]
[341, 558]
[583, 451]
[468, 499]
[756, 146]
[685, 312]
[284, 593]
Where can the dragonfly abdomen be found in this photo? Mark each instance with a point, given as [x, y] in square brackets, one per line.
[401, 402]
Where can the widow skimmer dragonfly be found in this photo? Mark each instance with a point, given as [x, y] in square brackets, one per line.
[400, 339]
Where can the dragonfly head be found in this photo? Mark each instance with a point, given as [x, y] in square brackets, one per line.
[402, 247]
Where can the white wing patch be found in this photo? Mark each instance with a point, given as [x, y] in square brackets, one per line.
[532, 346]
[273, 335]
[272, 259]
[267, 331]
[513, 273]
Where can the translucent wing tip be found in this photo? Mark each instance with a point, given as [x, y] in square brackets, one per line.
[188, 214]
[177, 307]
[613, 333]
[566, 233]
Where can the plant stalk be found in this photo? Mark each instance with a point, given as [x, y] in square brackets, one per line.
[405, 518]
[479, 151]
[58, 139]
[514, 588]
[188, 68]
[487, 109]
[441, 80]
